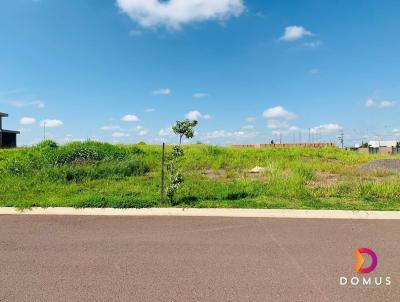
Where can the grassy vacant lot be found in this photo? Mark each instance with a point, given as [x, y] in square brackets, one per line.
[102, 175]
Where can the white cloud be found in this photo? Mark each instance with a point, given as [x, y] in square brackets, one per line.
[294, 129]
[220, 134]
[314, 71]
[199, 95]
[51, 123]
[277, 124]
[27, 121]
[140, 130]
[135, 33]
[148, 110]
[130, 118]
[197, 115]
[251, 119]
[119, 134]
[228, 134]
[110, 128]
[312, 44]
[278, 112]
[278, 117]
[173, 14]
[21, 104]
[372, 103]
[277, 133]
[163, 91]
[166, 131]
[294, 32]
[248, 127]
[137, 128]
[327, 129]
[23, 130]
[11, 92]
[384, 104]
[143, 132]
[396, 132]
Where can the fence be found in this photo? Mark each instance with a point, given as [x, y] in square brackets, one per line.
[316, 145]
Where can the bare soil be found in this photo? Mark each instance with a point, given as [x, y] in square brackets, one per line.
[382, 165]
[324, 180]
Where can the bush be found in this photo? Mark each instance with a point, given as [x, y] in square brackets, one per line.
[132, 168]
[47, 144]
[137, 150]
[237, 195]
[97, 171]
[17, 167]
[87, 152]
[213, 150]
[80, 154]
[121, 202]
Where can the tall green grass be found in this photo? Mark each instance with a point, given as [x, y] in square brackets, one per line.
[93, 174]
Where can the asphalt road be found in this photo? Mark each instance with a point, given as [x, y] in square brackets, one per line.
[60, 258]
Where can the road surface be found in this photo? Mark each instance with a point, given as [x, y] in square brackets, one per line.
[79, 258]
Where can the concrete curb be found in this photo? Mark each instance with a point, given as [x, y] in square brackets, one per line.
[190, 212]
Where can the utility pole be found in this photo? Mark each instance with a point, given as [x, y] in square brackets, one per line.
[341, 139]
[280, 138]
[162, 173]
[44, 130]
[309, 135]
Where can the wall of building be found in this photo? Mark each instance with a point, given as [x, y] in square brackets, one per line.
[385, 150]
[363, 150]
[9, 140]
[380, 150]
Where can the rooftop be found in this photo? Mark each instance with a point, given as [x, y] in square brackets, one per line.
[3, 114]
[9, 131]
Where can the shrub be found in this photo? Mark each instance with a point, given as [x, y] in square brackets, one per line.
[237, 195]
[121, 202]
[87, 152]
[137, 150]
[17, 167]
[133, 168]
[96, 171]
[47, 144]
[213, 150]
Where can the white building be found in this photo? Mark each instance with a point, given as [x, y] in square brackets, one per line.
[378, 144]
[383, 147]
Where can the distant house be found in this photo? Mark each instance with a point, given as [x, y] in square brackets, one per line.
[8, 138]
[380, 147]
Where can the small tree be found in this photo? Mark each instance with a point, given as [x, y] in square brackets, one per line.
[184, 128]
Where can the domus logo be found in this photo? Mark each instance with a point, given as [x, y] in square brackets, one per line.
[360, 260]
[366, 262]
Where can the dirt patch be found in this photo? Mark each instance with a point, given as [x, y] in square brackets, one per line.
[324, 180]
[388, 165]
[215, 174]
[224, 175]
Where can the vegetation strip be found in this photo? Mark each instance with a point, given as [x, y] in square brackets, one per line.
[249, 213]
[99, 175]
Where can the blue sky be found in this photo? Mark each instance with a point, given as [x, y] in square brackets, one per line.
[248, 70]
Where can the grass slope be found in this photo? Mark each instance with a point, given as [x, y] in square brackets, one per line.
[95, 174]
